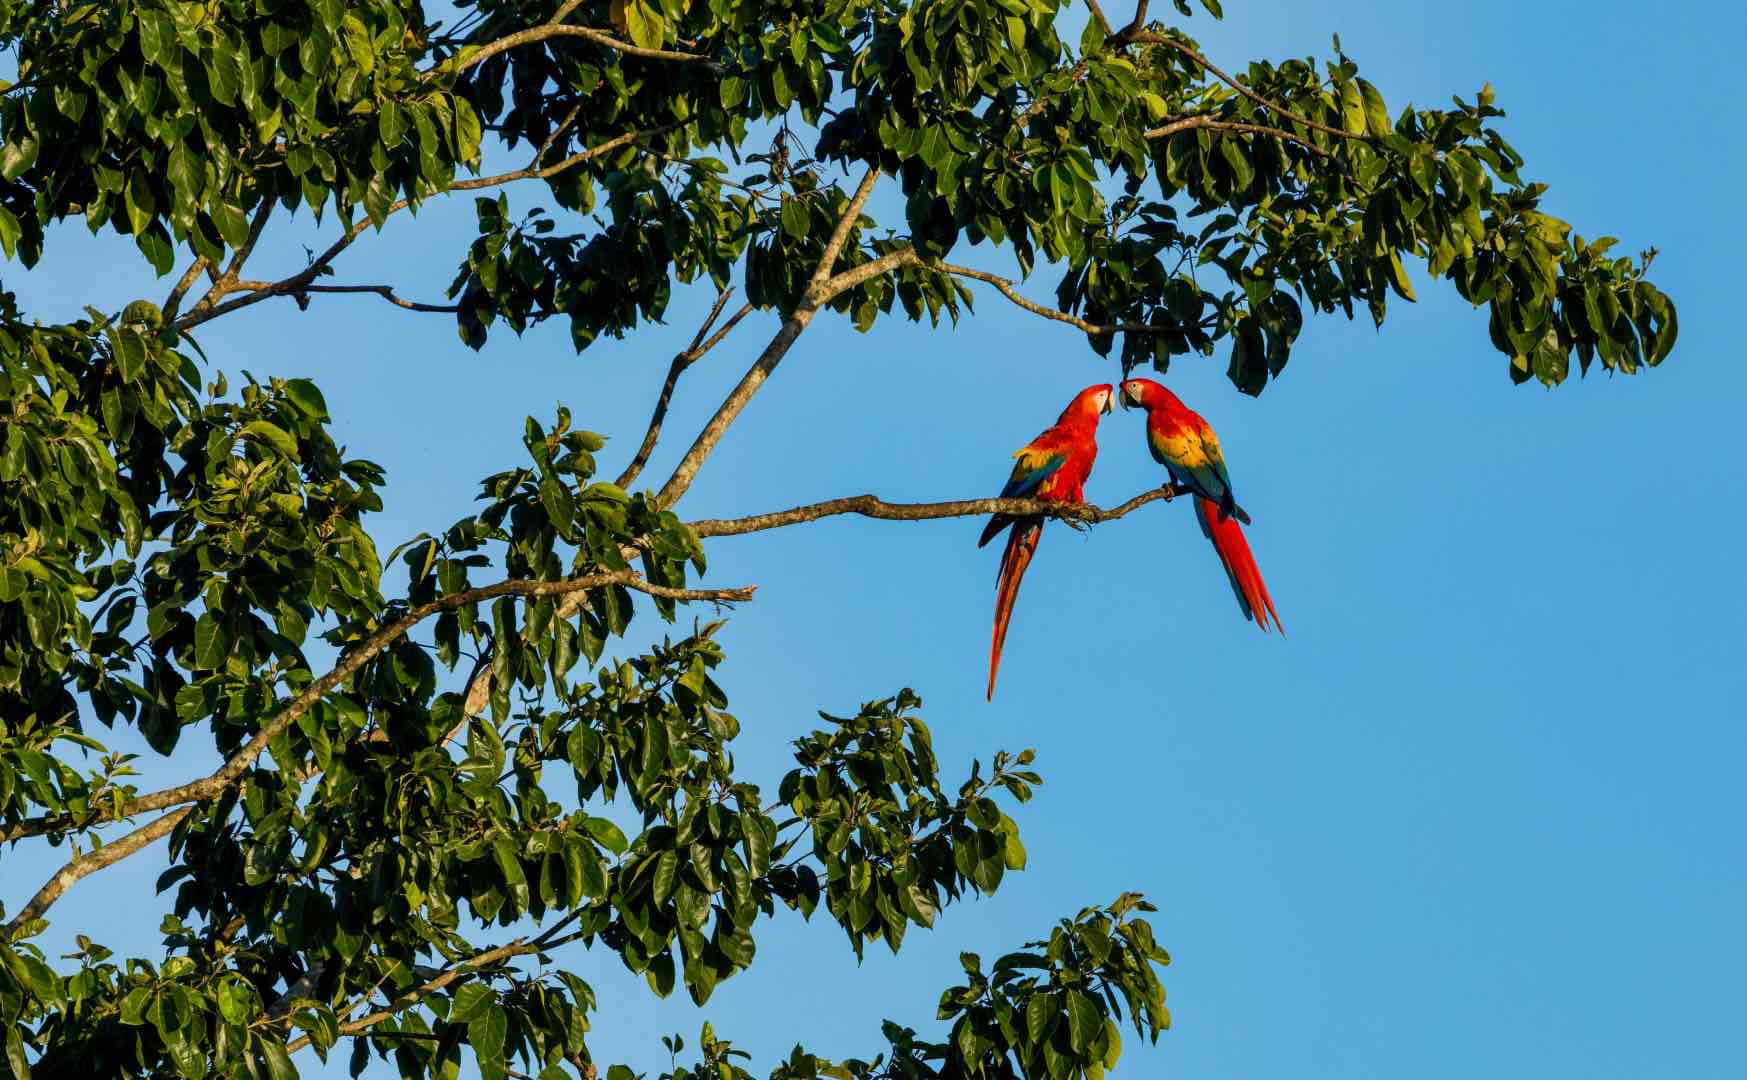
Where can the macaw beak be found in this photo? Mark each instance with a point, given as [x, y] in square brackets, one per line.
[1109, 406]
[1126, 400]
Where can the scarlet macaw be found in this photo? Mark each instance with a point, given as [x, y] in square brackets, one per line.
[1185, 444]
[1050, 468]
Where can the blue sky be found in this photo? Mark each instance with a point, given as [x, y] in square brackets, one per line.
[1479, 813]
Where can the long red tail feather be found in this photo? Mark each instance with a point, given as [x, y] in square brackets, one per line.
[1021, 546]
[1240, 565]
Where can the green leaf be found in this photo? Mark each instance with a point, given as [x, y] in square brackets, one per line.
[15, 1058]
[1084, 1020]
[1353, 107]
[606, 834]
[279, 1065]
[486, 1032]
[357, 41]
[1376, 115]
[469, 1002]
[9, 232]
[510, 864]
[273, 435]
[644, 24]
[307, 397]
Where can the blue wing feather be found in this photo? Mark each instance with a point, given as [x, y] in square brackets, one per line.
[1029, 473]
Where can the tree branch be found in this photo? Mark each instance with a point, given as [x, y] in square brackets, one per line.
[874, 507]
[549, 30]
[855, 275]
[279, 288]
[521, 946]
[301, 281]
[1005, 285]
[1147, 37]
[839, 236]
[1138, 21]
[183, 284]
[682, 360]
[210, 787]
[820, 289]
[1189, 123]
[225, 282]
[1098, 16]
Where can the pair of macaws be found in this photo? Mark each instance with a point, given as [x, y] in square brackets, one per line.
[1054, 466]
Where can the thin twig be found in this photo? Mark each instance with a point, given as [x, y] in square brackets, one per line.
[557, 132]
[210, 787]
[300, 281]
[385, 291]
[681, 361]
[1005, 285]
[874, 507]
[1147, 37]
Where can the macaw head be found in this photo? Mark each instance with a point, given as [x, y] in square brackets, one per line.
[1148, 395]
[1091, 403]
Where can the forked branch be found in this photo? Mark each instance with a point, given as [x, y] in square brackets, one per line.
[681, 361]
[820, 289]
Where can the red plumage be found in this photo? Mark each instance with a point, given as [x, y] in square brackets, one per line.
[1183, 442]
[1021, 546]
[1240, 566]
[1051, 468]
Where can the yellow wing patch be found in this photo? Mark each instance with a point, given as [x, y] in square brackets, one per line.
[1184, 449]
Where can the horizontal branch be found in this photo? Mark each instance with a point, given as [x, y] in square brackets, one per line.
[874, 507]
[385, 291]
[547, 31]
[1190, 123]
[210, 787]
[1006, 286]
[255, 292]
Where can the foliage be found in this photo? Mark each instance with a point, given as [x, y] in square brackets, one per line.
[193, 560]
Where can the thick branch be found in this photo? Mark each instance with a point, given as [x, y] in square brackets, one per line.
[682, 360]
[840, 235]
[820, 289]
[210, 787]
[1189, 123]
[874, 507]
[855, 275]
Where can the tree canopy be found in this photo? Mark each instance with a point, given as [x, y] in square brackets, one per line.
[415, 755]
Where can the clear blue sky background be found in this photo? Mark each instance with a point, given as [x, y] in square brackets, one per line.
[1480, 814]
